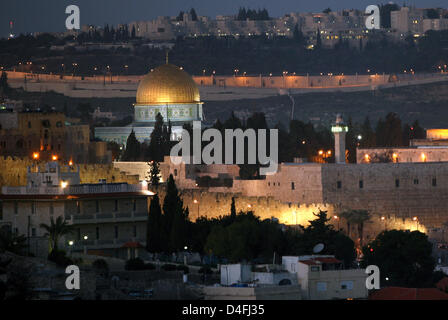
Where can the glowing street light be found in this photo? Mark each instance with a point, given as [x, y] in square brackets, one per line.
[416, 221]
[35, 155]
[423, 156]
[64, 184]
[196, 202]
[54, 157]
[337, 218]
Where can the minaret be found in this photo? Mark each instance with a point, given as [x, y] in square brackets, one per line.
[339, 130]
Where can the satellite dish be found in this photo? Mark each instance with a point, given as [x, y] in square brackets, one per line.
[318, 248]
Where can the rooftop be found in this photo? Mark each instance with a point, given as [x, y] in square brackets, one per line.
[399, 293]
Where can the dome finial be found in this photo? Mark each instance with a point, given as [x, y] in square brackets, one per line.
[166, 56]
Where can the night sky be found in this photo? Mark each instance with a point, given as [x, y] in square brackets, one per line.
[49, 15]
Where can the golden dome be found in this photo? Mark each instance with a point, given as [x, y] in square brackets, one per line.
[167, 84]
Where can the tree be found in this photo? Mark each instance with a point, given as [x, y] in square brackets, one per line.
[360, 217]
[328, 10]
[159, 141]
[175, 217]
[233, 209]
[12, 242]
[154, 235]
[132, 152]
[404, 257]
[4, 87]
[349, 219]
[180, 16]
[115, 150]
[389, 132]
[133, 32]
[367, 134]
[297, 35]
[351, 141]
[153, 176]
[319, 231]
[194, 16]
[318, 40]
[55, 230]
[385, 11]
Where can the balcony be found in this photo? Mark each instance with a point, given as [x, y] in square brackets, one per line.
[75, 189]
[103, 243]
[112, 217]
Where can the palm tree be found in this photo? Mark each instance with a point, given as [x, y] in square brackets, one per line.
[56, 230]
[360, 217]
[349, 218]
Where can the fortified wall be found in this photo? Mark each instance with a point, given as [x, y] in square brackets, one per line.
[297, 191]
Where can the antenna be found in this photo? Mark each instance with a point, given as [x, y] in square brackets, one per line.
[318, 248]
[166, 56]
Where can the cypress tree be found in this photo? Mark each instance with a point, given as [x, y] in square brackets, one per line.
[132, 151]
[318, 40]
[154, 241]
[174, 217]
[233, 209]
[153, 174]
[156, 144]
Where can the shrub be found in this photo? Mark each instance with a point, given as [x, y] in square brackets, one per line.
[134, 264]
[59, 257]
[100, 264]
[149, 266]
[169, 267]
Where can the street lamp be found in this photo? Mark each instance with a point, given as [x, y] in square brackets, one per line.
[70, 243]
[337, 218]
[85, 245]
[196, 202]
[383, 218]
[416, 220]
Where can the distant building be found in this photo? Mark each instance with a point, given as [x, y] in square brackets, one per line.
[432, 149]
[407, 20]
[98, 114]
[265, 282]
[240, 274]
[323, 277]
[108, 218]
[48, 136]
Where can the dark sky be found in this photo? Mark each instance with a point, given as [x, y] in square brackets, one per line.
[49, 15]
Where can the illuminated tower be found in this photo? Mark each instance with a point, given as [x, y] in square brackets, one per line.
[339, 130]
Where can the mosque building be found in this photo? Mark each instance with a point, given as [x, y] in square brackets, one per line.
[167, 90]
